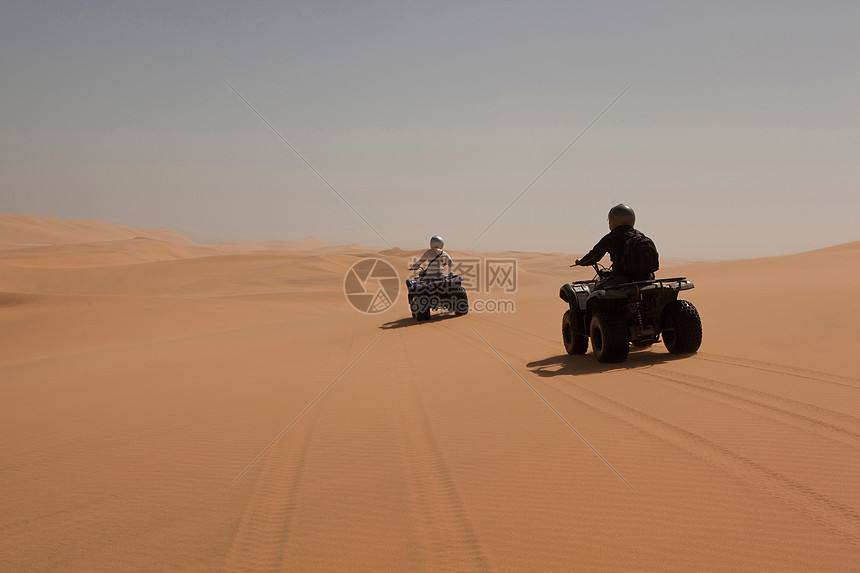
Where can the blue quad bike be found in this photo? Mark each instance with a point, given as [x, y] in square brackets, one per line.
[428, 293]
[636, 313]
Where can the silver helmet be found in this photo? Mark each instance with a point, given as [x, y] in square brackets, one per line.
[621, 214]
[436, 242]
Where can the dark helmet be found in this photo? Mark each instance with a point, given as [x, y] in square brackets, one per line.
[621, 214]
[436, 242]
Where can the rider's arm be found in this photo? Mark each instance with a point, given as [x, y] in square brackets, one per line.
[417, 263]
[595, 254]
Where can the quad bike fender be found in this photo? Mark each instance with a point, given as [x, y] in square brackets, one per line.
[575, 295]
[565, 293]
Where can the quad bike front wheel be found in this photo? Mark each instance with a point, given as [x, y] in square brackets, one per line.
[420, 307]
[461, 303]
[609, 337]
[572, 343]
[681, 327]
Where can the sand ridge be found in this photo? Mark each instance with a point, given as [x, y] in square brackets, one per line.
[181, 407]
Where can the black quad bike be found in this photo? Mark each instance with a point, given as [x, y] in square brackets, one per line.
[428, 293]
[636, 313]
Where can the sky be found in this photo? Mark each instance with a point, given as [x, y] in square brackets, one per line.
[736, 133]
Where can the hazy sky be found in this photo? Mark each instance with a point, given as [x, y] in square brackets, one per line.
[739, 137]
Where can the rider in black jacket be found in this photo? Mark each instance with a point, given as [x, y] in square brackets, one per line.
[621, 220]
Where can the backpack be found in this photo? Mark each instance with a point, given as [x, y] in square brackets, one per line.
[640, 255]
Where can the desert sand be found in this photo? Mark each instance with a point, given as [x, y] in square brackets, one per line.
[167, 406]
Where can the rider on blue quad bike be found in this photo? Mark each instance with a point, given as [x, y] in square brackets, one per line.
[432, 289]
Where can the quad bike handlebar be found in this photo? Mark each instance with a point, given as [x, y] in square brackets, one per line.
[422, 271]
[599, 270]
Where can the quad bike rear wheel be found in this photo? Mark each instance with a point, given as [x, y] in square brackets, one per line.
[572, 343]
[609, 337]
[681, 327]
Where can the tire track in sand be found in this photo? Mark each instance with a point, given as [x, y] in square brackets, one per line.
[828, 423]
[842, 519]
[778, 368]
[815, 417]
[539, 338]
[837, 517]
[447, 540]
[262, 538]
[443, 537]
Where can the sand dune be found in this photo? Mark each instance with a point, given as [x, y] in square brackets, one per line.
[178, 407]
[25, 230]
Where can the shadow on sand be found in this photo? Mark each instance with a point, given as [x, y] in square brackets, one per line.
[409, 321]
[571, 365]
